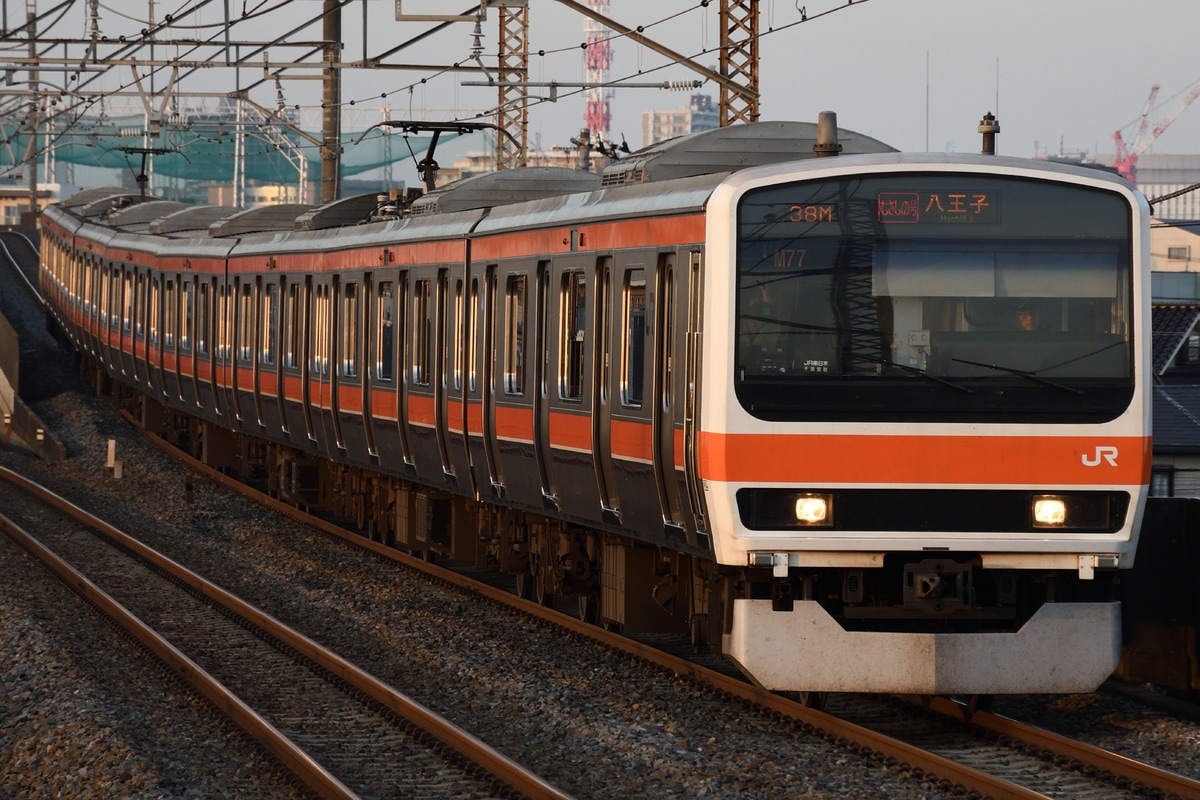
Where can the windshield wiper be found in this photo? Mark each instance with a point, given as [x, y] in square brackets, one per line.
[918, 371]
[1021, 373]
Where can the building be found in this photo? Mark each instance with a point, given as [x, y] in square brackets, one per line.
[1176, 354]
[1159, 175]
[14, 203]
[700, 115]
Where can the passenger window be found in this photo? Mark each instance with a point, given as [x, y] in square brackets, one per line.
[633, 327]
[270, 304]
[422, 328]
[572, 325]
[349, 323]
[245, 329]
[385, 345]
[514, 336]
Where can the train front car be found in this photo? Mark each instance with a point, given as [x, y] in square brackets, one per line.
[931, 456]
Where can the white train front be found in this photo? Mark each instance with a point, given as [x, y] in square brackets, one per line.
[875, 422]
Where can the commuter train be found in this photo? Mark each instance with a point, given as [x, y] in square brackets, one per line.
[867, 422]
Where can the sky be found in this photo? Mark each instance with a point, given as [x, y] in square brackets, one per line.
[917, 74]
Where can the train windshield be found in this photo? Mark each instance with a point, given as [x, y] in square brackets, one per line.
[941, 296]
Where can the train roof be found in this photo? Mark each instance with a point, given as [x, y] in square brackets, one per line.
[730, 149]
[529, 196]
[492, 189]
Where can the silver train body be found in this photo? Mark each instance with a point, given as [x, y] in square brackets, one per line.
[786, 404]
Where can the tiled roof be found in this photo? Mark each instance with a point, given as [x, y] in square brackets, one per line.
[1172, 323]
[1177, 418]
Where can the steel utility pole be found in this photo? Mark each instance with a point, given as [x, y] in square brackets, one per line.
[739, 61]
[513, 115]
[331, 103]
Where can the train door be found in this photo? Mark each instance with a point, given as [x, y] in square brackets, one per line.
[404, 361]
[368, 372]
[342, 343]
[188, 392]
[226, 365]
[687, 473]
[631, 429]
[285, 364]
[172, 389]
[90, 317]
[491, 445]
[138, 334]
[602, 444]
[440, 345]
[319, 365]
[125, 336]
[570, 427]
[263, 354]
[474, 334]
[241, 385]
[304, 321]
[667, 415]
[543, 376]
[454, 387]
[206, 388]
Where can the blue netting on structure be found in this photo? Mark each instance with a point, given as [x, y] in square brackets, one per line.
[204, 148]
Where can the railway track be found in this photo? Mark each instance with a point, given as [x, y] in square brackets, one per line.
[339, 730]
[873, 736]
[961, 747]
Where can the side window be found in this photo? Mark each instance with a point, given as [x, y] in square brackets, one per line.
[127, 303]
[170, 315]
[349, 324]
[188, 298]
[422, 328]
[270, 305]
[385, 335]
[203, 315]
[472, 335]
[245, 324]
[572, 325]
[514, 335]
[319, 335]
[293, 327]
[633, 328]
[155, 299]
[458, 316]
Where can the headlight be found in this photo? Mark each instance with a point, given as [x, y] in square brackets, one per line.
[814, 509]
[1049, 511]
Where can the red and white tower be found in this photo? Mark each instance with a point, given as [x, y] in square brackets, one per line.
[597, 59]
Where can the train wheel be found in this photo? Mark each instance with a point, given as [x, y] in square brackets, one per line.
[979, 702]
[809, 699]
[525, 583]
[545, 594]
[588, 609]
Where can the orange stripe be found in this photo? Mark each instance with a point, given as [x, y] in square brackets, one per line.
[632, 440]
[383, 403]
[514, 423]
[947, 460]
[521, 244]
[293, 387]
[454, 414]
[641, 232]
[475, 418]
[350, 399]
[571, 430]
[421, 410]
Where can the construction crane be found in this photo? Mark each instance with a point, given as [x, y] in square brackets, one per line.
[1127, 154]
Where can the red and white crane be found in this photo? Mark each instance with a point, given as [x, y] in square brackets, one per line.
[1127, 154]
[597, 57]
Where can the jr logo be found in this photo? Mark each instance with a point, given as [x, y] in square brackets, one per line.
[1103, 453]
